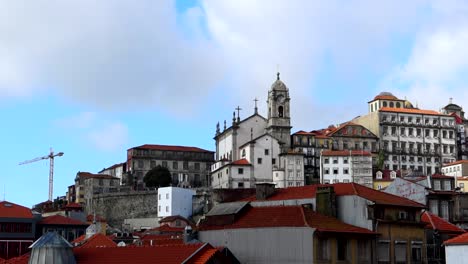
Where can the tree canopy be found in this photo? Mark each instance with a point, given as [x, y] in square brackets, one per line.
[157, 177]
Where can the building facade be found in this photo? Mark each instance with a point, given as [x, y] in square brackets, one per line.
[189, 166]
[411, 139]
[462, 128]
[251, 150]
[174, 201]
[346, 166]
[116, 170]
[87, 184]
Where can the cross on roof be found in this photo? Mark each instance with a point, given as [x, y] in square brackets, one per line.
[238, 110]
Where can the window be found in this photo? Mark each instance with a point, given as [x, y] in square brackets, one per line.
[416, 255]
[167, 196]
[345, 160]
[326, 160]
[152, 164]
[437, 185]
[342, 249]
[335, 171]
[159, 208]
[159, 197]
[259, 160]
[393, 175]
[167, 208]
[379, 175]
[326, 182]
[447, 185]
[345, 171]
[240, 185]
[335, 160]
[273, 161]
[383, 251]
[101, 182]
[433, 207]
[164, 164]
[267, 152]
[240, 171]
[280, 111]
[363, 251]
[444, 210]
[140, 164]
[175, 165]
[323, 249]
[400, 252]
[327, 171]
[346, 181]
[243, 153]
[197, 166]
[462, 185]
[185, 165]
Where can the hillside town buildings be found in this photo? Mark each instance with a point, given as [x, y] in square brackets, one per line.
[346, 166]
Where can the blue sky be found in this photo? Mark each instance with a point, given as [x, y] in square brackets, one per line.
[93, 79]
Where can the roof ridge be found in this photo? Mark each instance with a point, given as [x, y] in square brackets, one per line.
[430, 219]
[304, 217]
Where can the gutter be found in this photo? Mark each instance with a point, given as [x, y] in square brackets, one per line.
[194, 253]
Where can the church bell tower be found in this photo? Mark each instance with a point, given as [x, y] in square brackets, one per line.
[279, 119]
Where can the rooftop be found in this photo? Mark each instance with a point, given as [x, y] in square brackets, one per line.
[436, 223]
[410, 111]
[11, 210]
[96, 240]
[241, 162]
[60, 220]
[346, 153]
[456, 163]
[89, 175]
[171, 148]
[341, 189]
[459, 240]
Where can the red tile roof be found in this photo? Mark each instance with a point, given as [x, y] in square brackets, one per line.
[167, 228]
[96, 240]
[165, 254]
[345, 153]
[171, 148]
[95, 176]
[288, 216]
[440, 176]
[90, 218]
[456, 163]
[23, 259]
[11, 210]
[437, 223]
[60, 220]
[459, 240]
[410, 111]
[308, 191]
[73, 206]
[385, 97]
[241, 162]
[302, 132]
[173, 218]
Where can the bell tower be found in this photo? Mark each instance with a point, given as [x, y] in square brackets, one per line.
[279, 120]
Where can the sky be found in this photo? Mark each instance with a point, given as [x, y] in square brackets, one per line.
[95, 78]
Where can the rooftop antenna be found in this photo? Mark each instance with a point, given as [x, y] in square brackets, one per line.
[256, 109]
[450, 100]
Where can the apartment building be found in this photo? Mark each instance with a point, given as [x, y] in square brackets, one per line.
[344, 166]
[411, 138]
[189, 166]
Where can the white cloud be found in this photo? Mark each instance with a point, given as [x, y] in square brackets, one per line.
[98, 132]
[437, 66]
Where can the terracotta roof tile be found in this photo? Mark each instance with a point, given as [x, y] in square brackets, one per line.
[11, 210]
[385, 97]
[166, 254]
[241, 162]
[345, 153]
[171, 148]
[204, 256]
[437, 223]
[60, 220]
[456, 163]
[173, 218]
[96, 240]
[459, 240]
[167, 228]
[410, 111]
[308, 191]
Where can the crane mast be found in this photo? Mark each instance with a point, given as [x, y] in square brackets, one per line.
[51, 157]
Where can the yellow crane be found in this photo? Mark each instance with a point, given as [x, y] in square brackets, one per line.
[51, 157]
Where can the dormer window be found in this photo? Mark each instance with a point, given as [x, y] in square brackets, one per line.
[393, 175]
[378, 175]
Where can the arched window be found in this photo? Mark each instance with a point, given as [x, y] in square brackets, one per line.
[384, 104]
[372, 108]
[243, 153]
[391, 104]
[398, 105]
[280, 111]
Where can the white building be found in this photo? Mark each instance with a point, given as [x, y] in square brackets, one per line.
[456, 169]
[174, 201]
[250, 150]
[116, 170]
[411, 138]
[346, 166]
[290, 173]
[456, 249]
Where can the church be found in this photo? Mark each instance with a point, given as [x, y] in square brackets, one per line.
[257, 149]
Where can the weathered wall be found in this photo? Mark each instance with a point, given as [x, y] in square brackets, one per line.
[408, 190]
[115, 207]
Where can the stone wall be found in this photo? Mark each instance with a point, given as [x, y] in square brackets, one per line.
[115, 207]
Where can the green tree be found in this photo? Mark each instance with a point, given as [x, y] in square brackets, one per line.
[380, 159]
[157, 177]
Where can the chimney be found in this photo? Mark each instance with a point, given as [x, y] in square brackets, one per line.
[264, 190]
[326, 201]
[187, 234]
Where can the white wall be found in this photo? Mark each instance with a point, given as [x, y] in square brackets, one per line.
[225, 145]
[352, 210]
[175, 201]
[456, 254]
[265, 245]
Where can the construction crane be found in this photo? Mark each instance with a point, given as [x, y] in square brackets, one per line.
[51, 157]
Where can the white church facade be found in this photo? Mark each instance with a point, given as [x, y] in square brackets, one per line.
[257, 149]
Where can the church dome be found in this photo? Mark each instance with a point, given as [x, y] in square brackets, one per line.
[278, 84]
[408, 104]
[385, 96]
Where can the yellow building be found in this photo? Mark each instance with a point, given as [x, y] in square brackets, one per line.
[462, 183]
[384, 178]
